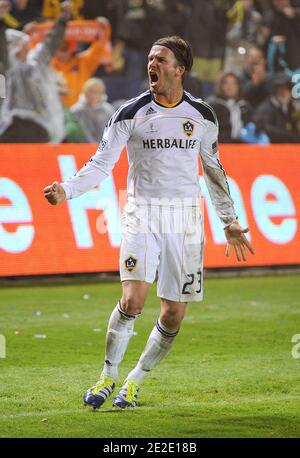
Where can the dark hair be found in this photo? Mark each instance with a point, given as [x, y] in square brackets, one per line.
[181, 49]
[220, 82]
[280, 79]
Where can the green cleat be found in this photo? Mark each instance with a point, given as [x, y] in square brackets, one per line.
[97, 395]
[127, 396]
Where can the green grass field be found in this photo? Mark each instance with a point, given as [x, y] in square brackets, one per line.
[230, 374]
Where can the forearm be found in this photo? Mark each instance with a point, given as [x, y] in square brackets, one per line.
[55, 36]
[218, 188]
[215, 177]
[89, 176]
[94, 171]
[101, 164]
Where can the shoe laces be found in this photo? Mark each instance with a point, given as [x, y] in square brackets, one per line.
[131, 389]
[104, 382]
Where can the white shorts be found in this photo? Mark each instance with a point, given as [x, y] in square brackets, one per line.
[167, 243]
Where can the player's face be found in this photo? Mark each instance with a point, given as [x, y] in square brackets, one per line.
[164, 73]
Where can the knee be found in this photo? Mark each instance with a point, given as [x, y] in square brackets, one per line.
[171, 316]
[134, 297]
[132, 305]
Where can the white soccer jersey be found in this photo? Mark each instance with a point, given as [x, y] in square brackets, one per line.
[163, 144]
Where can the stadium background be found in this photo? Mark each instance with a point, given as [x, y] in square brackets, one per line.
[38, 240]
[266, 195]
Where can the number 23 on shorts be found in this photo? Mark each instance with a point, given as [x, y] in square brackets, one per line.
[188, 287]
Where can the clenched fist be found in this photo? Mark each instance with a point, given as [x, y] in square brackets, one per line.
[55, 193]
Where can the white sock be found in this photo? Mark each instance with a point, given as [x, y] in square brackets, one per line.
[158, 346]
[119, 332]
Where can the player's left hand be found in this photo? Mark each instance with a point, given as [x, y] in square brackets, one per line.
[235, 236]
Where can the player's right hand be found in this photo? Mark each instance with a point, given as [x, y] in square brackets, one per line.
[55, 193]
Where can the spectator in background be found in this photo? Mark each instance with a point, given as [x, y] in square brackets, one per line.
[193, 85]
[72, 130]
[92, 110]
[255, 81]
[22, 12]
[159, 16]
[282, 24]
[77, 68]
[257, 89]
[52, 8]
[277, 115]
[130, 50]
[263, 5]
[233, 113]
[142, 23]
[131, 33]
[110, 9]
[31, 111]
[178, 15]
[244, 31]
[206, 32]
[253, 56]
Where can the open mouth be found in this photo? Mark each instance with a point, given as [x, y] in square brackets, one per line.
[153, 78]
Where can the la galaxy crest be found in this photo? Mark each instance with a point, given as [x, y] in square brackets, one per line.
[188, 128]
[130, 263]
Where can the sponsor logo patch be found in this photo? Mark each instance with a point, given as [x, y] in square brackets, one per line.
[188, 128]
[150, 111]
[130, 263]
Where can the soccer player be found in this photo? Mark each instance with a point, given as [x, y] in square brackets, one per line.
[164, 130]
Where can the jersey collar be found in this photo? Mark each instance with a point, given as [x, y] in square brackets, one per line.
[168, 105]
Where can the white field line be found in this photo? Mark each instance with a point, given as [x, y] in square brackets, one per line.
[48, 413]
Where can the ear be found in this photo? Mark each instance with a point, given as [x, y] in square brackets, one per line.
[180, 70]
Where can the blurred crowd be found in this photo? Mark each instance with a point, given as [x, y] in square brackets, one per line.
[246, 65]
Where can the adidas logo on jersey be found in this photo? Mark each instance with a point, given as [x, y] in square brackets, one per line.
[150, 111]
